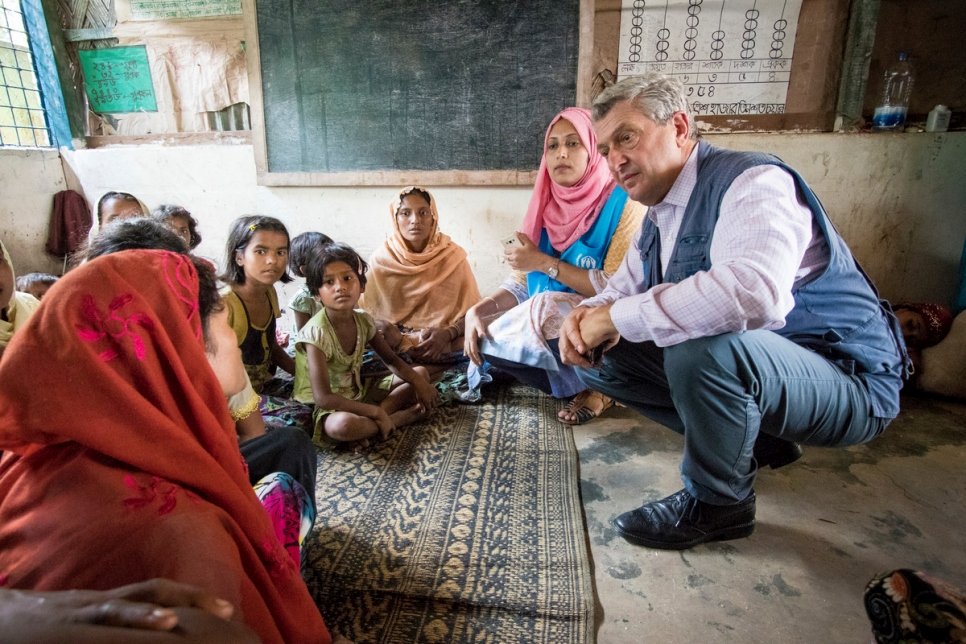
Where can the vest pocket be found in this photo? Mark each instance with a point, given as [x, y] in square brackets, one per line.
[689, 256]
[691, 248]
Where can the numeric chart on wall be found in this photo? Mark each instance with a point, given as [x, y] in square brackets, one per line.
[733, 56]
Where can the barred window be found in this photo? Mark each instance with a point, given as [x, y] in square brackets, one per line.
[23, 122]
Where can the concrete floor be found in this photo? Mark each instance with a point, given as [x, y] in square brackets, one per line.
[826, 525]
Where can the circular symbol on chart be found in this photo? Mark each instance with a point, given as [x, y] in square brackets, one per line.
[748, 37]
[778, 38]
[637, 22]
[662, 44]
[717, 44]
[690, 44]
[691, 33]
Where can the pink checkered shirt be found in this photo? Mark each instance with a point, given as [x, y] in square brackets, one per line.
[763, 244]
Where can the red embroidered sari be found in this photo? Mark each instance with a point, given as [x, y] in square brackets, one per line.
[120, 457]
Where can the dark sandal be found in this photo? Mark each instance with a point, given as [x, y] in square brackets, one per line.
[578, 407]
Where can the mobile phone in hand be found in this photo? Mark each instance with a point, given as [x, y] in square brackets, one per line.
[512, 240]
[596, 355]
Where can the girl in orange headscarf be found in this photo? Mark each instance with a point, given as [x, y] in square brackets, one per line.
[120, 458]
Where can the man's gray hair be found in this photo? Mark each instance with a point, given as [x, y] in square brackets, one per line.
[656, 96]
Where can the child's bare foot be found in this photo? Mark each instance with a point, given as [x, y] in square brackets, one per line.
[408, 415]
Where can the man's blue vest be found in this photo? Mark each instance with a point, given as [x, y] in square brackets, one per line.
[838, 314]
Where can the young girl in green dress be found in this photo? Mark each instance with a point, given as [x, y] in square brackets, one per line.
[328, 355]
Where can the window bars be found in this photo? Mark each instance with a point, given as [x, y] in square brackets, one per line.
[23, 122]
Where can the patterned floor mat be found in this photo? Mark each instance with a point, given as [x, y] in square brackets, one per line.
[467, 527]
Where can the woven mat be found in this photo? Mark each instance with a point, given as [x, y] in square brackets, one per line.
[467, 527]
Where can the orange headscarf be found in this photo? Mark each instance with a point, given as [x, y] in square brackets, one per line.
[568, 213]
[431, 289]
[121, 461]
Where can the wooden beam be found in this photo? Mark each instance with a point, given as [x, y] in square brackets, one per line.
[64, 102]
[400, 178]
[82, 35]
[585, 54]
[236, 137]
[859, 42]
[79, 15]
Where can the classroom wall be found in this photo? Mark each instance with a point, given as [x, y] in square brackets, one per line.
[28, 181]
[217, 184]
[898, 199]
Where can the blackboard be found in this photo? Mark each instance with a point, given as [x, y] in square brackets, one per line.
[413, 85]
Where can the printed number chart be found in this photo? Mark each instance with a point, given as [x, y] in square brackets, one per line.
[733, 56]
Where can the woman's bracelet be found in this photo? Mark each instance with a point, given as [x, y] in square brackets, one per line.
[496, 306]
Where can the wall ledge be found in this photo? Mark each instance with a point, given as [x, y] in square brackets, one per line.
[236, 137]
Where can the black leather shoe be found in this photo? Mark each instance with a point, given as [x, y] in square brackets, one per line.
[681, 521]
[775, 452]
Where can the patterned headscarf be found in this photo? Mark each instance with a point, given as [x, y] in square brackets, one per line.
[938, 319]
[108, 400]
[568, 213]
[910, 606]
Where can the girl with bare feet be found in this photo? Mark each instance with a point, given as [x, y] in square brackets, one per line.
[328, 359]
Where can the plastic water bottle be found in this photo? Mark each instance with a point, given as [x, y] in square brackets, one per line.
[896, 89]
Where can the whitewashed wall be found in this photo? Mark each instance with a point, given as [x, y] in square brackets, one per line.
[898, 199]
[28, 181]
[217, 184]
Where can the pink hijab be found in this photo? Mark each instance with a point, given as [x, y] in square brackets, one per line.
[568, 213]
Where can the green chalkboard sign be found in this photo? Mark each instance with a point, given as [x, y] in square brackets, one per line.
[413, 84]
[118, 79]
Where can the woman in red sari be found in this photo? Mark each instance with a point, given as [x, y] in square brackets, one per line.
[120, 458]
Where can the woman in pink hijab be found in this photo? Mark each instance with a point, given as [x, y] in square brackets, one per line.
[576, 232]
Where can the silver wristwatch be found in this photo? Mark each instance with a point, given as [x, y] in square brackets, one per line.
[554, 270]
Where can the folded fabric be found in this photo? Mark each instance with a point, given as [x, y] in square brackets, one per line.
[521, 334]
[70, 222]
[909, 606]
